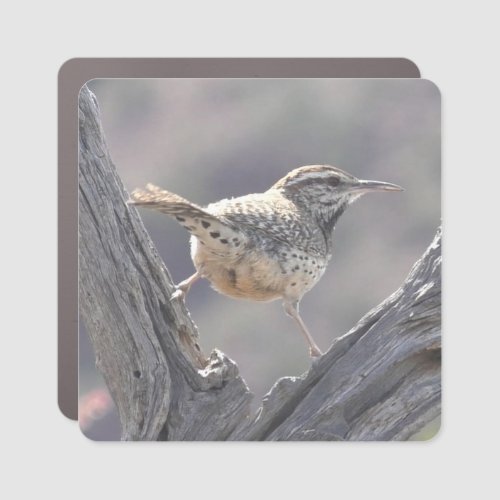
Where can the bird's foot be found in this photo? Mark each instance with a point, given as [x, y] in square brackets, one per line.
[183, 288]
[179, 294]
[314, 352]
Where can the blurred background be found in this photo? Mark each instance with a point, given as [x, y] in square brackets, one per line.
[208, 139]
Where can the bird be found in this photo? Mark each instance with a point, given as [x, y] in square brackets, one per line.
[266, 246]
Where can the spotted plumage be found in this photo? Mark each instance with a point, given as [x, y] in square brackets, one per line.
[266, 246]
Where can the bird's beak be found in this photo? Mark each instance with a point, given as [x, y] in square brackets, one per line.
[365, 186]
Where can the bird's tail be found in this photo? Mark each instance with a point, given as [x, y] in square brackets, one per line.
[166, 202]
[215, 232]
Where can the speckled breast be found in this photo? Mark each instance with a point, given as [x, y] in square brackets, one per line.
[259, 275]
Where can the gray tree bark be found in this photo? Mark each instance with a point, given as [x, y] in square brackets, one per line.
[380, 381]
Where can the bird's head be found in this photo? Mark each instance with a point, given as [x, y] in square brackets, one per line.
[326, 191]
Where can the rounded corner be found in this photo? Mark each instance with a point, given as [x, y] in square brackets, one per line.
[66, 411]
[85, 84]
[64, 66]
[433, 85]
[412, 64]
[87, 436]
[434, 434]
[69, 69]
[68, 66]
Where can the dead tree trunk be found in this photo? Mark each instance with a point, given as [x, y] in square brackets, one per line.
[380, 381]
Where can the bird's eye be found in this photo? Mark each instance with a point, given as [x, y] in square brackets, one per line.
[333, 181]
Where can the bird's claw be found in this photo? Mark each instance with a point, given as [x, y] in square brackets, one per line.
[179, 294]
[315, 352]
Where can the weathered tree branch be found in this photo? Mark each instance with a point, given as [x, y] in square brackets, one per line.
[380, 381]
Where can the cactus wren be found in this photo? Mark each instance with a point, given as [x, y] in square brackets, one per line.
[266, 246]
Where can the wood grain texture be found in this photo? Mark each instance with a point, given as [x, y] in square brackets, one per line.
[380, 381]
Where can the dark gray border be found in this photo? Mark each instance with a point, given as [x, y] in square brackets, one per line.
[73, 74]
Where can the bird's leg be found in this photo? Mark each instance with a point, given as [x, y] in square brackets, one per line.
[292, 309]
[184, 286]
